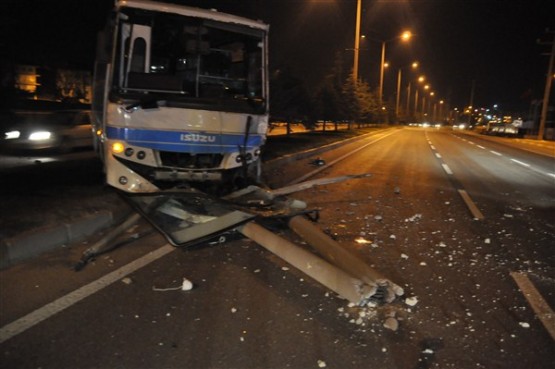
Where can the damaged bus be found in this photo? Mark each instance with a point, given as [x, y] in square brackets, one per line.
[180, 97]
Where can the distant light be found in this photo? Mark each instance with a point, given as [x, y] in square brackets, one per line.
[40, 136]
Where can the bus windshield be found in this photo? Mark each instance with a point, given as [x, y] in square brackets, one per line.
[188, 59]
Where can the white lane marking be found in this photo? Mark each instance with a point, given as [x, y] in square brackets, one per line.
[471, 205]
[521, 163]
[22, 324]
[551, 174]
[432, 147]
[438, 155]
[447, 169]
[535, 299]
[495, 153]
[481, 147]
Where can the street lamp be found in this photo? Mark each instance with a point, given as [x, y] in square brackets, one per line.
[405, 36]
[357, 41]
[414, 65]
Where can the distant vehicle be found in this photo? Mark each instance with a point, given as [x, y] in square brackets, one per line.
[61, 130]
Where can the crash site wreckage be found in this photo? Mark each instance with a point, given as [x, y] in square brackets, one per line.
[189, 217]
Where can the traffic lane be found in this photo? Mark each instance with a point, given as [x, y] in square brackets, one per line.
[409, 222]
[287, 173]
[541, 147]
[518, 204]
[426, 333]
[498, 173]
[538, 161]
[248, 309]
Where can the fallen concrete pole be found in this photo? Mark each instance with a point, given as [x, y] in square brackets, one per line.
[341, 257]
[323, 272]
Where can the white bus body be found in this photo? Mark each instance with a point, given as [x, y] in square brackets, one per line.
[180, 96]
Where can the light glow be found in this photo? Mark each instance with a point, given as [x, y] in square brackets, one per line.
[40, 136]
[117, 147]
[12, 135]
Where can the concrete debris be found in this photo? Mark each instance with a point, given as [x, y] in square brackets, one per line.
[414, 218]
[362, 240]
[391, 324]
[397, 190]
[411, 301]
[524, 325]
[321, 364]
[127, 280]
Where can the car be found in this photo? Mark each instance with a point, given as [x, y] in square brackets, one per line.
[60, 130]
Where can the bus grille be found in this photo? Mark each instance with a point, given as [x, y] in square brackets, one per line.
[189, 161]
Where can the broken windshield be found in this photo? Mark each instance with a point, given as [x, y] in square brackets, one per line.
[188, 58]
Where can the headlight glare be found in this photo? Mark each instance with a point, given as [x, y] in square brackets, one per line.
[40, 136]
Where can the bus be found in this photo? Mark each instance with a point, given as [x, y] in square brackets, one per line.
[180, 98]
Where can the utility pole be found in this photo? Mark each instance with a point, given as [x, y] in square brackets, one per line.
[548, 80]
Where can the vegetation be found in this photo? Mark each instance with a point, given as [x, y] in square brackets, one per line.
[338, 98]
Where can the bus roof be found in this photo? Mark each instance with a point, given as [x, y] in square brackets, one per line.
[191, 11]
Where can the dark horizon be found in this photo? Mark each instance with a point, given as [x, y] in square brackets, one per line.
[458, 43]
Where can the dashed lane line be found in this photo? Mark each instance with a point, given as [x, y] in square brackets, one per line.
[471, 205]
[536, 300]
[476, 213]
[496, 153]
[447, 169]
[521, 163]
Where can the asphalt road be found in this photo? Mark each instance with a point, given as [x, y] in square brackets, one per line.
[454, 219]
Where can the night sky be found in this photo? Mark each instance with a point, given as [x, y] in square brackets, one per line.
[490, 42]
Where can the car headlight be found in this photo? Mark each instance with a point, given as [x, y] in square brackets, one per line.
[11, 135]
[40, 136]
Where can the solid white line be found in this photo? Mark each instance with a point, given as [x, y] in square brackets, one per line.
[471, 205]
[495, 153]
[521, 163]
[536, 300]
[447, 169]
[438, 155]
[12, 329]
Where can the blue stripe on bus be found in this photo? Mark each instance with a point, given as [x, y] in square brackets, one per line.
[194, 142]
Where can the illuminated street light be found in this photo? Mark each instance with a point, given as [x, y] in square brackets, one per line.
[405, 36]
[414, 65]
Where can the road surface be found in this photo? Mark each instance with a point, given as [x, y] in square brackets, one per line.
[455, 220]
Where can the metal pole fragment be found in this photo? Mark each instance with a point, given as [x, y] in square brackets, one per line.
[341, 257]
[323, 272]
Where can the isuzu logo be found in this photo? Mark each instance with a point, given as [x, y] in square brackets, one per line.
[197, 137]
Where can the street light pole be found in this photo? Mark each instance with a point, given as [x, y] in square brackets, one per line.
[405, 37]
[398, 93]
[382, 66]
[357, 41]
